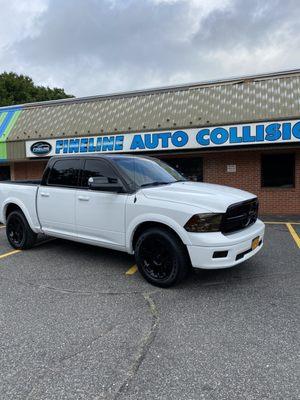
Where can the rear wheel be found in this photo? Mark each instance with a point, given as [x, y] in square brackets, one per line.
[161, 257]
[18, 232]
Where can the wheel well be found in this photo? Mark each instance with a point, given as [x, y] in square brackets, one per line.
[10, 208]
[146, 225]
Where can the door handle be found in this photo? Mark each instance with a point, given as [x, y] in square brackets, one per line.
[83, 198]
[43, 194]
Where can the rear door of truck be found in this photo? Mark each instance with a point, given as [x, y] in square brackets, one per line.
[56, 198]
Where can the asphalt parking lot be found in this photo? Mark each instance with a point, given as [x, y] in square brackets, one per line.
[74, 325]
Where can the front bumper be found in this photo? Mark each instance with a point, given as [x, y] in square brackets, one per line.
[237, 245]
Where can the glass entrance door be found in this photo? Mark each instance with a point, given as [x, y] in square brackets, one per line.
[190, 167]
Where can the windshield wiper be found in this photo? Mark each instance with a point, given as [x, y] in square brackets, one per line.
[155, 184]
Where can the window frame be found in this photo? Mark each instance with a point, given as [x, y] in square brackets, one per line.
[110, 165]
[85, 161]
[262, 180]
[64, 186]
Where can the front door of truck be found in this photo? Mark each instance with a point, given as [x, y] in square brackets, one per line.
[56, 198]
[100, 216]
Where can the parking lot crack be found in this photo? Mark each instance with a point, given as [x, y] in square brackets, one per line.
[145, 345]
[73, 291]
[85, 347]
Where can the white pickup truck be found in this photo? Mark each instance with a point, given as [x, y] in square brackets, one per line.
[138, 205]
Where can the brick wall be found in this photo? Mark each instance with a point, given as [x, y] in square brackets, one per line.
[27, 170]
[248, 177]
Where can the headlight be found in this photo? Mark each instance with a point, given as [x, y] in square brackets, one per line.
[204, 223]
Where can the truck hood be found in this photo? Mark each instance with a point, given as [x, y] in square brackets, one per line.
[207, 196]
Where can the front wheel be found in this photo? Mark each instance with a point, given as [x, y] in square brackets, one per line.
[161, 257]
[18, 231]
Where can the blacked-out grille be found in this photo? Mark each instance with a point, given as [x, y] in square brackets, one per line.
[239, 216]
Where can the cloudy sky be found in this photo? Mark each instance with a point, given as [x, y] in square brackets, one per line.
[93, 47]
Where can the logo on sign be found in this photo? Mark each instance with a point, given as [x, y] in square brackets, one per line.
[41, 148]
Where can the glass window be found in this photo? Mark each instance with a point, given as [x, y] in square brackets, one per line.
[4, 173]
[190, 167]
[146, 172]
[278, 170]
[95, 168]
[64, 173]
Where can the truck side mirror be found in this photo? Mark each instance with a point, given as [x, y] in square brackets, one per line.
[105, 184]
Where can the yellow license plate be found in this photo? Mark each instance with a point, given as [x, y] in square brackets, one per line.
[255, 243]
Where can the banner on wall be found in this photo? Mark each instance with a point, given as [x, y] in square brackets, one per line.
[218, 136]
[8, 118]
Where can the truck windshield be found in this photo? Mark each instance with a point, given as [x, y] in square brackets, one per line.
[147, 172]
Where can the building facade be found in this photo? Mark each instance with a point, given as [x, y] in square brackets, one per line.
[242, 132]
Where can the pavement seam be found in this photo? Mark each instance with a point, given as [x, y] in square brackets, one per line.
[70, 291]
[55, 364]
[86, 346]
[144, 348]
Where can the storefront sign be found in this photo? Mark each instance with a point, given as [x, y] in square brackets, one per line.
[219, 136]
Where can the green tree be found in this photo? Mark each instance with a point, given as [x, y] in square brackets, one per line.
[18, 89]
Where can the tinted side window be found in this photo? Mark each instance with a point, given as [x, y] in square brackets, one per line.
[64, 173]
[96, 168]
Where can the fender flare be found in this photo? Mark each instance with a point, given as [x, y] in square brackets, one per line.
[21, 205]
[160, 219]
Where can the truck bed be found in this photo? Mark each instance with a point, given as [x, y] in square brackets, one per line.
[23, 194]
[34, 182]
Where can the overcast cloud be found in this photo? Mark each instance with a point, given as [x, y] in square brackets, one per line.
[98, 46]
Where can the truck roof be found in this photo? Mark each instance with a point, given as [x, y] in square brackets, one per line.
[100, 155]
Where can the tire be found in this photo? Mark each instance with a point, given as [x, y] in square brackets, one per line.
[161, 257]
[18, 232]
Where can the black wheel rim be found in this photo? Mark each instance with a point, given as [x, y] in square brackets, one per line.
[156, 259]
[15, 230]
